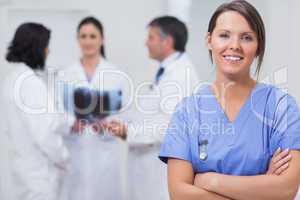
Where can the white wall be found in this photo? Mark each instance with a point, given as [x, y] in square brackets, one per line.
[125, 32]
[124, 23]
[294, 41]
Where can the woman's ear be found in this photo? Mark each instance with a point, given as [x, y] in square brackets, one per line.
[169, 42]
[208, 40]
[102, 41]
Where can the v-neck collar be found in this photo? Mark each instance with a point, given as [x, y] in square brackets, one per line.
[98, 66]
[244, 110]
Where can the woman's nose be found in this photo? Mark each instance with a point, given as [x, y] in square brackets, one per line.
[235, 44]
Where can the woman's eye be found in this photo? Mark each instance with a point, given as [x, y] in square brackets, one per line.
[224, 35]
[247, 38]
[83, 36]
[92, 36]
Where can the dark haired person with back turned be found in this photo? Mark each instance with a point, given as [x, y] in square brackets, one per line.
[37, 154]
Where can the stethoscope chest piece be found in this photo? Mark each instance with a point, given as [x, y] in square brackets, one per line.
[203, 149]
[203, 156]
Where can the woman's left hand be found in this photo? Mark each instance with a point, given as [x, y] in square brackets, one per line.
[279, 162]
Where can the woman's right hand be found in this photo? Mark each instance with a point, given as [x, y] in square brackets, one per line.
[279, 162]
[117, 128]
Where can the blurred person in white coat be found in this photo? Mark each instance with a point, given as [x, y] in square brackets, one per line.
[97, 157]
[37, 156]
[175, 79]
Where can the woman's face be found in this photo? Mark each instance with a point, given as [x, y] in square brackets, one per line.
[233, 44]
[90, 40]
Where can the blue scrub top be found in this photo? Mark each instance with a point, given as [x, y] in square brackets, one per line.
[269, 119]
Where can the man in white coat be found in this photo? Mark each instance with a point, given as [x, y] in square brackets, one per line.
[175, 79]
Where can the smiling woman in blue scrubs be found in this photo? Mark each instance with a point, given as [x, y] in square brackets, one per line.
[221, 140]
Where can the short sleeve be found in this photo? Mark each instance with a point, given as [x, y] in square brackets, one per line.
[286, 125]
[176, 142]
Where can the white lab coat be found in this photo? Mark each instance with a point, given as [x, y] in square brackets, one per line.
[38, 157]
[97, 160]
[147, 175]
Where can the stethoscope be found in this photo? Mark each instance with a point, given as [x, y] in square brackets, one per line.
[202, 144]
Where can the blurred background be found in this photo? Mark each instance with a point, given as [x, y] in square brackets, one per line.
[125, 25]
